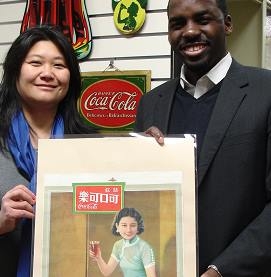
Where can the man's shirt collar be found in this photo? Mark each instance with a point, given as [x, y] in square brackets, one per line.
[209, 80]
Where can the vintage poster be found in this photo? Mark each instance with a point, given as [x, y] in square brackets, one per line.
[109, 99]
[83, 184]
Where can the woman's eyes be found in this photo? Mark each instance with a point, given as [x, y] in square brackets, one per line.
[40, 63]
[60, 65]
[35, 63]
[125, 225]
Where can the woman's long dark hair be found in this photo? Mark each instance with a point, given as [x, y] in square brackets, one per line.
[10, 101]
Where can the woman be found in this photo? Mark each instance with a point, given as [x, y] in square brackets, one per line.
[38, 99]
[134, 255]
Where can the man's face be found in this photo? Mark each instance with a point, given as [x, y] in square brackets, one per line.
[196, 31]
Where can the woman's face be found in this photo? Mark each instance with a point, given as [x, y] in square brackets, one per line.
[44, 77]
[127, 227]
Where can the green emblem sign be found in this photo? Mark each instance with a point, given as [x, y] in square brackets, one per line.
[129, 15]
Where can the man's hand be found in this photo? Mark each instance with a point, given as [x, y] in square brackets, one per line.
[156, 133]
[17, 203]
[210, 273]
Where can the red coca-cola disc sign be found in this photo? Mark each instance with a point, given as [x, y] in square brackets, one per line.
[110, 103]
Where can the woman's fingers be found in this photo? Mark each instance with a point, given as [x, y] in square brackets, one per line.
[16, 204]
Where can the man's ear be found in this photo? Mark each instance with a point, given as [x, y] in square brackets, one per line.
[228, 25]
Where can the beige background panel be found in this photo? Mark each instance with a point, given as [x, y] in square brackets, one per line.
[67, 238]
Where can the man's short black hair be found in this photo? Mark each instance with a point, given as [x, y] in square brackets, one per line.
[222, 5]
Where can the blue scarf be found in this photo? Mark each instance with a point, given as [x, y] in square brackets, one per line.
[25, 158]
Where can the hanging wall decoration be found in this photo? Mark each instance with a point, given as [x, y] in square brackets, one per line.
[109, 99]
[129, 15]
[70, 15]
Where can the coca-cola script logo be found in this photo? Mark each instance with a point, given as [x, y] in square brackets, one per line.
[110, 103]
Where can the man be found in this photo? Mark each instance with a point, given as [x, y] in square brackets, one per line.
[228, 107]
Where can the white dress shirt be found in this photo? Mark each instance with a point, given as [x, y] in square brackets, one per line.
[209, 80]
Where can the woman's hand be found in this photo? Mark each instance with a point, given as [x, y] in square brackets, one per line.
[156, 133]
[94, 252]
[17, 203]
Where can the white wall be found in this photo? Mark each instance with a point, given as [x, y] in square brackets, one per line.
[147, 50]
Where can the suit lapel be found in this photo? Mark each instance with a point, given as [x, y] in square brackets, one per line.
[166, 96]
[229, 99]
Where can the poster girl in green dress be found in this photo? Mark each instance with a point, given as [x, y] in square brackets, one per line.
[134, 255]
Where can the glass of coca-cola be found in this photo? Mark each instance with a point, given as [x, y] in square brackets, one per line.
[94, 245]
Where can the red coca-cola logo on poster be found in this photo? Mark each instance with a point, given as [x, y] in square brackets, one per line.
[110, 103]
[98, 197]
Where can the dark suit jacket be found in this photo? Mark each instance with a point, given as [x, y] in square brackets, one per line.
[234, 170]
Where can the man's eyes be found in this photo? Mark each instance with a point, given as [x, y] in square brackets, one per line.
[177, 24]
[202, 20]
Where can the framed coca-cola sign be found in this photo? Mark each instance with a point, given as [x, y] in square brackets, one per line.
[109, 99]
